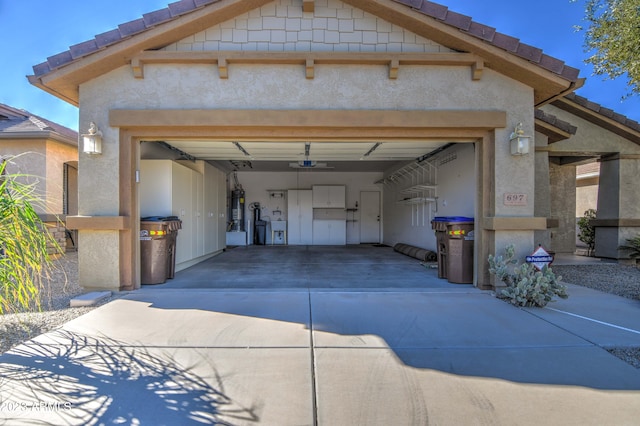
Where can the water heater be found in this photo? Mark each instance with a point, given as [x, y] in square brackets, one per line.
[237, 210]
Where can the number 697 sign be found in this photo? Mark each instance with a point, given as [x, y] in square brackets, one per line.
[515, 199]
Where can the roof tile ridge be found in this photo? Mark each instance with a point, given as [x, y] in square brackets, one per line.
[555, 121]
[511, 44]
[124, 30]
[605, 112]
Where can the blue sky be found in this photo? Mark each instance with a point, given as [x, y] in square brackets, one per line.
[34, 30]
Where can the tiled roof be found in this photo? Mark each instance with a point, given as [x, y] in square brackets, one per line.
[437, 11]
[14, 121]
[606, 112]
[489, 34]
[555, 122]
[124, 31]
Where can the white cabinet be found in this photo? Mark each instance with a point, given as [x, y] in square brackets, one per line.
[300, 217]
[330, 232]
[168, 188]
[214, 221]
[329, 196]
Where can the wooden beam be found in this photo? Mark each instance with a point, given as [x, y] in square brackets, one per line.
[476, 70]
[514, 223]
[310, 69]
[223, 69]
[394, 65]
[137, 67]
[264, 120]
[309, 60]
[308, 6]
[113, 223]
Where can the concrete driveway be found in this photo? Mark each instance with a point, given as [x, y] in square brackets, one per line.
[322, 355]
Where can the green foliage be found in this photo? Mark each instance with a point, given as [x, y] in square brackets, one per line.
[587, 233]
[23, 244]
[633, 245]
[526, 286]
[613, 35]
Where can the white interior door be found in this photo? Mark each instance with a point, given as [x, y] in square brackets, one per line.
[369, 217]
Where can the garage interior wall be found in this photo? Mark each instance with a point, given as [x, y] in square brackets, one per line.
[455, 190]
[258, 184]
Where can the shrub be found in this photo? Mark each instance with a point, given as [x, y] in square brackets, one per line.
[587, 233]
[23, 244]
[633, 245]
[526, 286]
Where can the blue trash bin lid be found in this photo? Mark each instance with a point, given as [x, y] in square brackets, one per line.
[452, 219]
[152, 219]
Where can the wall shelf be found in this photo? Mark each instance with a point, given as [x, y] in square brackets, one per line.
[277, 193]
[415, 185]
[417, 200]
[417, 188]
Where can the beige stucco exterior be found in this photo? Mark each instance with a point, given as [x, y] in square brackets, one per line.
[618, 198]
[274, 73]
[41, 161]
[270, 87]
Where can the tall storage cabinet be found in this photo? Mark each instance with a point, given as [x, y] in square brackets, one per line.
[300, 216]
[168, 188]
[215, 210]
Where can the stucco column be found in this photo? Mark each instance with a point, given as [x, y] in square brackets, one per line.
[506, 199]
[542, 205]
[99, 222]
[618, 213]
[563, 207]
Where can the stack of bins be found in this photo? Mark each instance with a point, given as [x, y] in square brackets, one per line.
[454, 239]
[158, 237]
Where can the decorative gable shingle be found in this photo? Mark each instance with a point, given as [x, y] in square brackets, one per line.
[437, 11]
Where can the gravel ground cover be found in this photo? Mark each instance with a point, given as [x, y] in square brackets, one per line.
[621, 280]
[62, 287]
[611, 278]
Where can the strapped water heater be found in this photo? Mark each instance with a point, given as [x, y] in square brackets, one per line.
[237, 207]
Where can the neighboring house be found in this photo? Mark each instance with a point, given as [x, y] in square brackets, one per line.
[587, 180]
[411, 107]
[46, 153]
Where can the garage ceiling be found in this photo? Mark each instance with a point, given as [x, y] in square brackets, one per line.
[319, 155]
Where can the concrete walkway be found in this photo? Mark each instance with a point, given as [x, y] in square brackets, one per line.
[320, 355]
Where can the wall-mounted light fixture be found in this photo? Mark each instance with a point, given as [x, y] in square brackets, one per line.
[92, 140]
[519, 142]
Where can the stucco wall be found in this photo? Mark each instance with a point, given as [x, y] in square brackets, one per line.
[542, 207]
[28, 157]
[57, 155]
[42, 161]
[589, 137]
[284, 87]
[456, 189]
[618, 192]
[563, 206]
[179, 86]
[586, 198]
